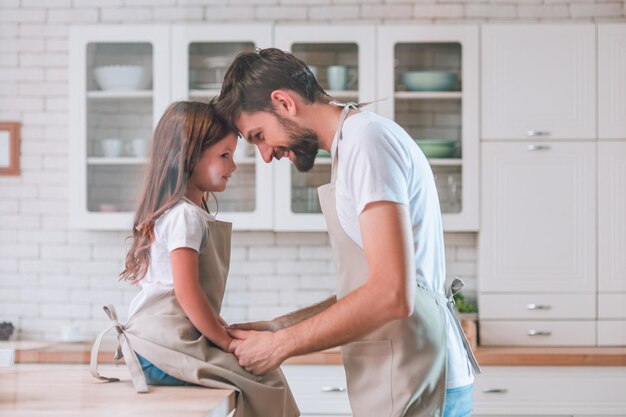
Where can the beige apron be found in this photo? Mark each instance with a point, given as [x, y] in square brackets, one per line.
[161, 332]
[400, 368]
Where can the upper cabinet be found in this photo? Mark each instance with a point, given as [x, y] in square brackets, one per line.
[200, 56]
[539, 81]
[612, 80]
[428, 80]
[118, 90]
[342, 60]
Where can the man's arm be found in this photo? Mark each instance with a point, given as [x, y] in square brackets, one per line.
[287, 320]
[387, 295]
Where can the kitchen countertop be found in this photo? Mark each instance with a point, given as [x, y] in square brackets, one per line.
[64, 352]
[37, 390]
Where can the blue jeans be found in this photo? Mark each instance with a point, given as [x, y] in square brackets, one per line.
[155, 376]
[458, 402]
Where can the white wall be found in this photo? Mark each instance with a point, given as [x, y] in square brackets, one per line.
[50, 275]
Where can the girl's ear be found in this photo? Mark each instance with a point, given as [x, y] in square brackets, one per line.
[283, 103]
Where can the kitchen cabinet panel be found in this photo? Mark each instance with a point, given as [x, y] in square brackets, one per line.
[319, 389]
[441, 112]
[612, 306]
[537, 306]
[612, 80]
[537, 333]
[538, 81]
[550, 391]
[538, 218]
[200, 56]
[612, 217]
[118, 91]
[612, 333]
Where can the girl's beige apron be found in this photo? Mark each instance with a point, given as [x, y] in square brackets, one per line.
[400, 368]
[162, 333]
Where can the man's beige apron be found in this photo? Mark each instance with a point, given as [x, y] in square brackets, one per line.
[162, 333]
[400, 368]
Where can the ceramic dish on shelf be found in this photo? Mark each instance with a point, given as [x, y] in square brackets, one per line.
[437, 148]
[209, 86]
[429, 80]
[120, 77]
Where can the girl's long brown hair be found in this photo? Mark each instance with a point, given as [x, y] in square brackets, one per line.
[185, 130]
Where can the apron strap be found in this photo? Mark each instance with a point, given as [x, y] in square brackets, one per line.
[453, 289]
[123, 349]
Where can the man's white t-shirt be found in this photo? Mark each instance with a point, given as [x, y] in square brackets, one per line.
[378, 161]
[182, 226]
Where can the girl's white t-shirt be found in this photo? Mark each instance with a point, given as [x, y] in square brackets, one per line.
[379, 161]
[182, 226]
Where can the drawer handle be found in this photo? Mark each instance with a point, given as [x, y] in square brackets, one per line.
[538, 333]
[538, 147]
[495, 390]
[538, 133]
[538, 307]
[333, 389]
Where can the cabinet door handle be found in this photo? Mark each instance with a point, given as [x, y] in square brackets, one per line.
[495, 390]
[538, 333]
[538, 147]
[538, 307]
[538, 133]
[333, 389]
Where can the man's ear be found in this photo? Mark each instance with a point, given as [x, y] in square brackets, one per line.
[283, 102]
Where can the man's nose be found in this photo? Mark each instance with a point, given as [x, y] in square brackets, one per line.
[267, 152]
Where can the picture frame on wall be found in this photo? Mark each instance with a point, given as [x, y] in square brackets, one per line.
[10, 148]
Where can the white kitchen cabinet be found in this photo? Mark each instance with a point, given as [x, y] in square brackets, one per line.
[348, 48]
[550, 391]
[539, 81]
[450, 114]
[106, 118]
[538, 218]
[200, 56]
[537, 246]
[612, 80]
[319, 389]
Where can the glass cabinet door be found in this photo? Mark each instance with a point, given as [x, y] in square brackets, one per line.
[431, 77]
[118, 93]
[201, 56]
[342, 60]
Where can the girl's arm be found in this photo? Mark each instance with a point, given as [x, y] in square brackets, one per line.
[192, 299]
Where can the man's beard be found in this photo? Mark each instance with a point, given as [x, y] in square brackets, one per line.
[303, 143]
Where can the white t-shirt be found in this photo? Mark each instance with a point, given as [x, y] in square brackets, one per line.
[182, 226]
[378, 161]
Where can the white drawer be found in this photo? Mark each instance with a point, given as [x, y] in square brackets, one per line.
[537, 390]
[319, 389]
[612, 306]
[537, 306]
[537, 333]
[612, 333]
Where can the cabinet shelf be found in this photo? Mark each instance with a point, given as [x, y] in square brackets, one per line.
[428, 95]
[204, 93]
[130, 94]
[446, 162]
[124, 160]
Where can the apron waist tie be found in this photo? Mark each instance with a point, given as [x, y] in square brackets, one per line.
[448, 301]
[123, 349]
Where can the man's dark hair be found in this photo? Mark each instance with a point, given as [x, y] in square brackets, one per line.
[252, 76]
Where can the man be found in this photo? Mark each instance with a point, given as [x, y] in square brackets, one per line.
[390, 316]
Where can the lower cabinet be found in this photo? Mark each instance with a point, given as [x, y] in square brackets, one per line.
[576, 391]
[520, 391]
[319, 390]
[500, 391]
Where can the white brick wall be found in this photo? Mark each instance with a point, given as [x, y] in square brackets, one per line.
[51, 275]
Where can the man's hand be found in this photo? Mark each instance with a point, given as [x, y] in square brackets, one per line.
[258, 352]
[258, 326]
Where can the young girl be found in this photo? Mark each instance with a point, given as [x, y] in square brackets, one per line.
[180, 257]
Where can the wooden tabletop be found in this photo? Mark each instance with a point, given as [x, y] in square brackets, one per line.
[51, 352]
[38, 390]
